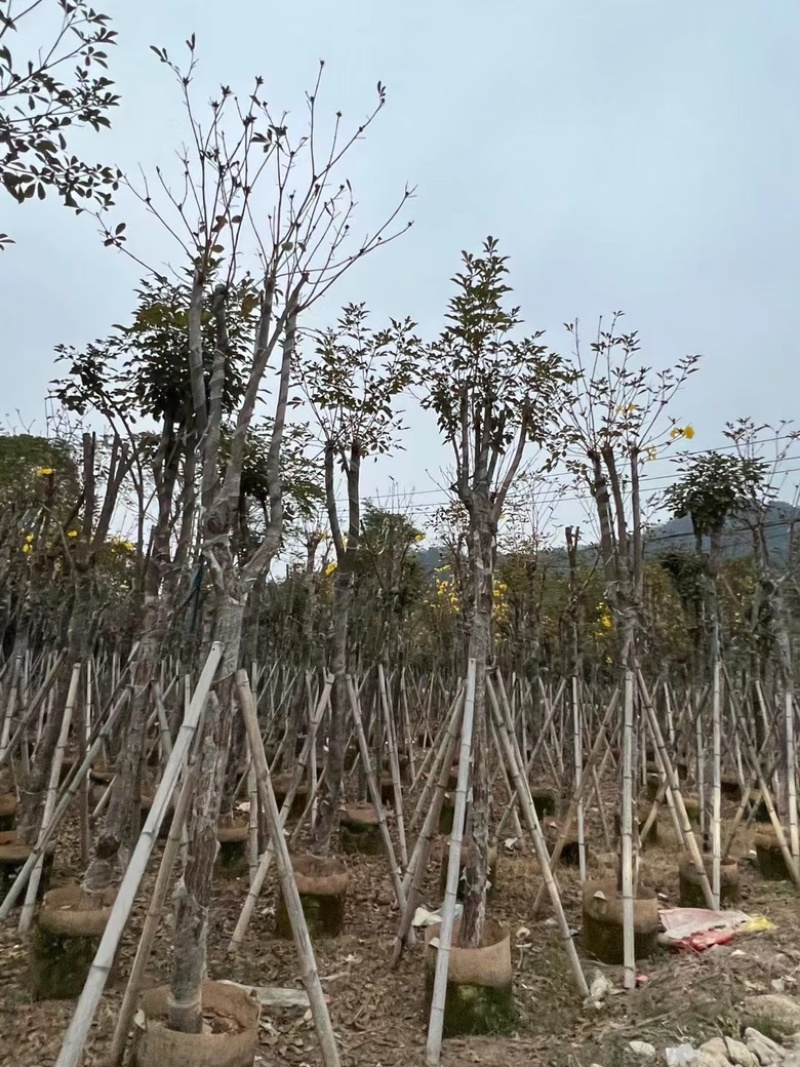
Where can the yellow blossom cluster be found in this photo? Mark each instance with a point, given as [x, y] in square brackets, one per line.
[500, 594]
[605, 621]
[446, 594]
[686, 432]
[121, 544]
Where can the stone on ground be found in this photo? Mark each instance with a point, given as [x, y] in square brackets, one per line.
[776, 1015]
[727, 1048]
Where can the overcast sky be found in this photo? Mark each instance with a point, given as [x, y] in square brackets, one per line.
[629, 154]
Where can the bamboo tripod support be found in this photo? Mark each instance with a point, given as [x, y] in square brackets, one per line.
[515, 764]
[433, 1048]
[75, 1039]
[294, 906]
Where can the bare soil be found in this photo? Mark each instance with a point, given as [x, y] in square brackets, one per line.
[378, 1014]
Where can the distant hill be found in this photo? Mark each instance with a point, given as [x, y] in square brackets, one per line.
[677, 534]
[737, 540]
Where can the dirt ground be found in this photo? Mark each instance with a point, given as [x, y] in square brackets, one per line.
[378, 1014]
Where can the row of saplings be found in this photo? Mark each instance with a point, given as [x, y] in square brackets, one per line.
[70, 923]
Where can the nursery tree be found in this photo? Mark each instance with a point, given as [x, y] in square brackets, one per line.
[136, 375]
[83, 535]
[352, 381]
[713, 488]
[40, 106]
[613, 424]
[759, 482]
[493, 393]
[300, 232]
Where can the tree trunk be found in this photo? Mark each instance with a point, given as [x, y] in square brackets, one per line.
[474, 917]
[338, 733]
[193, 895]
[121, 826]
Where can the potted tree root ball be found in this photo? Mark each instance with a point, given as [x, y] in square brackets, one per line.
[281, 784]
[232, 834]
[570, 851]
[691, 891]
[602, 922]
[642, 815]
[65, 939]
[322, 883]
[479, 997]
[8, 811]
[360, 830]
[771, 861]
[544, 801]
[13, 854]
[229, 1037]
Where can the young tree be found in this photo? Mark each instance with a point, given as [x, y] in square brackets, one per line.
[39, 107]
[300, 233]
[760, 480]
[352, 381]
[714, 487]
[494, 393]
[613, 424]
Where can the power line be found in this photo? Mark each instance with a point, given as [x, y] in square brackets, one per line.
[553, 498]
[730, 447]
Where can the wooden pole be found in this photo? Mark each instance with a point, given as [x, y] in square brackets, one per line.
[433, 1047]
[150, 927]
[291, 896]
[75, 1040]
[26, 918]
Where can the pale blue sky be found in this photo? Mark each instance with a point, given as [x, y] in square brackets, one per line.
[634, 154]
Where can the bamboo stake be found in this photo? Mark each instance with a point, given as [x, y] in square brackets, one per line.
[150, 927]
[419, 858]
[551, 714]
[594, 755]
[394, 764]
[67, 795]
[433, 1047]
[375, 795]
[578, 751]
[626, 836]
[12, 703]
[791, 774]
[75, 1040]
[26, 918]
[434, 753]
[294, 905]
[514, 760]
[674, 788]
[716, 783]
[33, 706]
[269, 853]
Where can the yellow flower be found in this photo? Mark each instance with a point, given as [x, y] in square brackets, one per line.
[44, 471]
[26, 549]
[685, 431]
[72, 534]
[652, 453]
[331, 568]
[420, 537]
[128, 546]
[29, 539]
